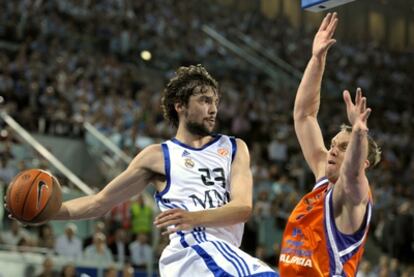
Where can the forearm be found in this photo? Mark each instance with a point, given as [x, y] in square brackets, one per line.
[353, 169]
[229, 214]
[86, 207]
[308, 96]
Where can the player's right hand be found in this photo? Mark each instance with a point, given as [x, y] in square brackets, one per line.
[323, 39]
[6, 209]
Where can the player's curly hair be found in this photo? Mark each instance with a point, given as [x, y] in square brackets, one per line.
[186, 82]
[374, 151]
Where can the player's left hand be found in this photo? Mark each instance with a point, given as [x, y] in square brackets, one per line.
[358, 113]
[175, 220]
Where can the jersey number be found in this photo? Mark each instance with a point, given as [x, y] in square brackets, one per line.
[210, 177]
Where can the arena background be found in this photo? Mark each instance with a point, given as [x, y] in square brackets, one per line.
[84, 78]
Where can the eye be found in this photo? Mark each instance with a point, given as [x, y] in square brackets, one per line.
[343, 147]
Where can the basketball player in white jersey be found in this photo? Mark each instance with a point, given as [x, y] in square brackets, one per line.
[204, 186]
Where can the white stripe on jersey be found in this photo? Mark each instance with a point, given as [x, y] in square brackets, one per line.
[199, 179]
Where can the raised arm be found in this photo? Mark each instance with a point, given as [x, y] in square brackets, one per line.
[308, 99]
[132, 181]
[237, 210]
[351, 191]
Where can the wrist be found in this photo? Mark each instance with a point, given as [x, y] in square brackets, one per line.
[197, 218]
[319, 57]
[358, 128]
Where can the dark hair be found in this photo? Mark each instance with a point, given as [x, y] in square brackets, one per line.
[374, 151]
[186, 82]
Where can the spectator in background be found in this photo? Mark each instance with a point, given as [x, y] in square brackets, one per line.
[278, 150]
[98, 228]
[47, 269]
[141, 252]
[7, 170]
[15, 234]
[383, 266]
[68, 244]
[262, 207]
[110, 272]
[365, 270]
[119, 246]
[141, 216]
[394, 268]
[404, 228]
[118, 217]
[127, 270]
[68, 270]
[98, 252]
[46, 237]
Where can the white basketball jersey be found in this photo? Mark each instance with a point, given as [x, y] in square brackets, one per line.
[199, 179]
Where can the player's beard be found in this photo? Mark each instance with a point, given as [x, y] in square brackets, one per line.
[197, 129]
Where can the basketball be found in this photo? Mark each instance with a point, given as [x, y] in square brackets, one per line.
[34, 196]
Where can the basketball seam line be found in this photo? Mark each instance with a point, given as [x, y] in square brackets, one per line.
[27, 194]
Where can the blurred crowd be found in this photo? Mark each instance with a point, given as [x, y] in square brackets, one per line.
[67, 62]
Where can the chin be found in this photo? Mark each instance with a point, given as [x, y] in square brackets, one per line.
[331, 174]
[332, 177]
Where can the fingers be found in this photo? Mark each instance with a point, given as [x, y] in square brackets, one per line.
[325, 22]
[366, 114]
[171, 231]
[363, 105]
[166, 214]
[330, 43]
[347, 98]
[166, 220]
[358, 96]
[332, 24]
[170, 222]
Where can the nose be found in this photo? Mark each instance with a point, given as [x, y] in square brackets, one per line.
[333, 151]
[213, 109]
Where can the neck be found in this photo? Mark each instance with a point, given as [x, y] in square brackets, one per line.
[190, 139]
[332, 182]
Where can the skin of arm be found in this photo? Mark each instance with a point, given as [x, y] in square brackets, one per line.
[237, 210]
[308, 99]
[132, 181]
[351, 192]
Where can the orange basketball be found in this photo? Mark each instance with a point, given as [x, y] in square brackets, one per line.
[34, 196]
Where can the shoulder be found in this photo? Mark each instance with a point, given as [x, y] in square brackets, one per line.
[241, 143]
[150, 157]
[242, 153]
[153, 151]
[242, 148]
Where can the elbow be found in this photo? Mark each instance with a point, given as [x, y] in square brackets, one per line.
[245, 213]
[298, 115]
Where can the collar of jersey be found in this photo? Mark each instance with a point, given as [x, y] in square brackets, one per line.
[216, 137]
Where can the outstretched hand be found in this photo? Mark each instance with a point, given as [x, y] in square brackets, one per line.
[8, 212]
[323, 39]
[357, 112]
[175, 220]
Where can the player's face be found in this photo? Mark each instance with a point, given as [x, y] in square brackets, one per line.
[336, 155]
[201, 112]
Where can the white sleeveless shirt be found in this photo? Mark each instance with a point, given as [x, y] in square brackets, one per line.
[199, 179]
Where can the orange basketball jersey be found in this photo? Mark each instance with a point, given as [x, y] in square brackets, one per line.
[313, 246]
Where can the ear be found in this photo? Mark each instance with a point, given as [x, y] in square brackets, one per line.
[366, 164]
[179, 107]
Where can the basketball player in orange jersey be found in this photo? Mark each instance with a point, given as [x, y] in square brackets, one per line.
[326, 232]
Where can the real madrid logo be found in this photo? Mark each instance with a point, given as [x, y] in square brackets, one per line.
[188, 163]
[223, 151]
